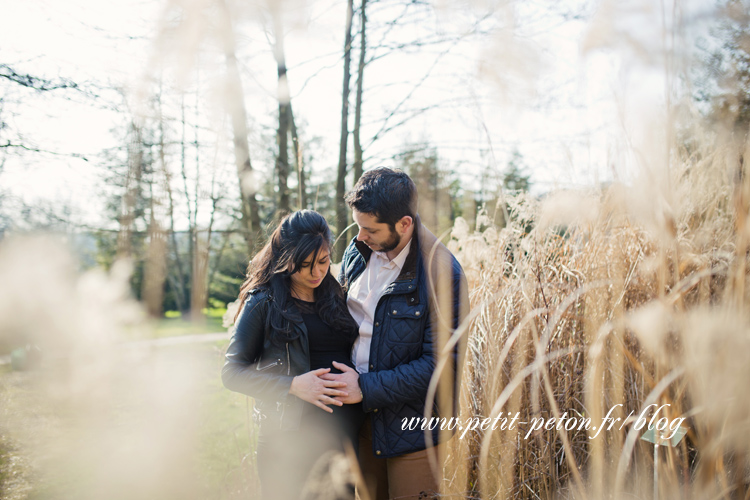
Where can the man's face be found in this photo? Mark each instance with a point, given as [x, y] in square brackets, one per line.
[379, 236]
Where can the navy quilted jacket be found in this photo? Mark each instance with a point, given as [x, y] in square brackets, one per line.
[402, 354]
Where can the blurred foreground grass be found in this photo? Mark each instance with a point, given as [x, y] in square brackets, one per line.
[31, 468]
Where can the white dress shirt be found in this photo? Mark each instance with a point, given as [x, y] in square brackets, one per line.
[363, 297]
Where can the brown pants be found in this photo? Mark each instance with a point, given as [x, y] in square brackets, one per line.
[399, 478]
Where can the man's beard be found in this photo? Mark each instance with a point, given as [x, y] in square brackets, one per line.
[392, 242]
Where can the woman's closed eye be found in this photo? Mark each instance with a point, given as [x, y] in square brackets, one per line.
[307, 264]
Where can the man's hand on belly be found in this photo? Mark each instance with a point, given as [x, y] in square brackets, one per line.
[351, 378]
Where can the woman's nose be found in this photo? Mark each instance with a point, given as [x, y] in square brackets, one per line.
[317, 271]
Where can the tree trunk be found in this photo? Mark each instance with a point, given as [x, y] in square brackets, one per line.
[342, 219]
[191, 220]
[201, 250]
[155, 272]
[236, 108]
[178, 283]
[299, 164]
[358, 167]
[132, 188]
[282, 135]
[199, 285]
[358, 103]
[208, 272]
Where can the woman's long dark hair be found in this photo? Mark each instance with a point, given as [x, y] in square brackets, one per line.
[297, 236]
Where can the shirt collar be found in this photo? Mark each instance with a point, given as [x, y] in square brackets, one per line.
[398, 261]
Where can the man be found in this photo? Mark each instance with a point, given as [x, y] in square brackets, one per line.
[408, 294]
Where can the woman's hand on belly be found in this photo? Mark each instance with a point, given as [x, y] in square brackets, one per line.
[312, 388]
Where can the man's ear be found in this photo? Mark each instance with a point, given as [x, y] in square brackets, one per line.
[405, 223]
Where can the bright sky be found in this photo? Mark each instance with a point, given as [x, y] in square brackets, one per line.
[84, 42]
[570, 94]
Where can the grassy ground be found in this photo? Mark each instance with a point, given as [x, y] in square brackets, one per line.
[171, 327]
[224, 436]
[173, 324]
[15, 470]
[227, 436]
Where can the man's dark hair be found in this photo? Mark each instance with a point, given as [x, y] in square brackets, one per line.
[385, 193]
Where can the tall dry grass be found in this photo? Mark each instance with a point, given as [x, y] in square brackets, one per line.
[631, 294]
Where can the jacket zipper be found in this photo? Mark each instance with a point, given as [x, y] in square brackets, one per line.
[288, 372]
[288, 362]
[270, 365]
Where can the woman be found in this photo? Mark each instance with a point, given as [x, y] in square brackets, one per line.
[293, 324]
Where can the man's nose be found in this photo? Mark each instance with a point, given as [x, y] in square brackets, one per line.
[361, 235]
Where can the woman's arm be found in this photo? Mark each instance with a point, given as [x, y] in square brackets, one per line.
[240, 372]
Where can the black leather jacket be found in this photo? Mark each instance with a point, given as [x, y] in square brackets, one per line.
[263, 370]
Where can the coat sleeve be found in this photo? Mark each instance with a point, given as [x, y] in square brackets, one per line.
[408, 382]
[242, 371]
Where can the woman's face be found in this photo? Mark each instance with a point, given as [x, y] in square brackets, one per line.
[310, 274]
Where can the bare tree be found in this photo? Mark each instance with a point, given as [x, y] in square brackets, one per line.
[358, 167]
[132, 191]
[155, 270]
[236, 103]
[282, 135]
[299, 164]
[11, 140]
[177, 279]
[342, 214]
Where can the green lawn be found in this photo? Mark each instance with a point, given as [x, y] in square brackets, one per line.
[227, 437]
[172, 324]
[170, 327]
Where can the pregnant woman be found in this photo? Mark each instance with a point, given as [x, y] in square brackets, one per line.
[293, 323]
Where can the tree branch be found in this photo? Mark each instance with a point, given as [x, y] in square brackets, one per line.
[9, 144]
[33, 82]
